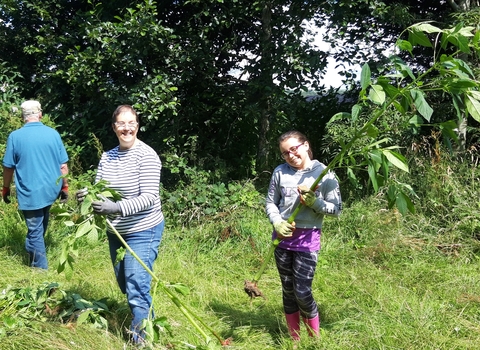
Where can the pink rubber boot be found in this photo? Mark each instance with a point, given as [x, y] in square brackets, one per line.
[313, 325]
[293, 325]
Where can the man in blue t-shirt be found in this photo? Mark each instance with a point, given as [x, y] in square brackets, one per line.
[36, 155]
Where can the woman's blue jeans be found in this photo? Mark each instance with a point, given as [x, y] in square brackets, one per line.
[37, 223]
[132, 278]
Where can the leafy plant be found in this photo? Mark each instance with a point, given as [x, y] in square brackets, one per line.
[406, 93]
[200, 193]
[19, 306]
[82, 221]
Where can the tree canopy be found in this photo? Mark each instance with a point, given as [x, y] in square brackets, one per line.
[214, 81]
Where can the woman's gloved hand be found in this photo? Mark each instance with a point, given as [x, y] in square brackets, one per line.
[106, 207]
[81, 194]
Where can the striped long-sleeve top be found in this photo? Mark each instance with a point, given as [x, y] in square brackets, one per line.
[135, 174]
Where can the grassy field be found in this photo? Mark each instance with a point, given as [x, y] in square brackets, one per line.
[383, 282]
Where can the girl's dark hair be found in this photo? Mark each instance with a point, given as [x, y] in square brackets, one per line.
[121, 109]
[297, 135]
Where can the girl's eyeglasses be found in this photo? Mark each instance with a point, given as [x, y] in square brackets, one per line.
[293, 150]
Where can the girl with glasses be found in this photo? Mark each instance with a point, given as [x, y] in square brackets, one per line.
[297, 253]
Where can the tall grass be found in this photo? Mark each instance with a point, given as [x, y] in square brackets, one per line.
[383, 281]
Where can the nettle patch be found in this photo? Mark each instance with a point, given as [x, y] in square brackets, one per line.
[48, 302]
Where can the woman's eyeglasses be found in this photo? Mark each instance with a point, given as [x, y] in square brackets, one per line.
[292, 150]
[123, 125]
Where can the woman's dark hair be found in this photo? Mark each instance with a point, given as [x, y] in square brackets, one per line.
[297, 135]
[121, 109]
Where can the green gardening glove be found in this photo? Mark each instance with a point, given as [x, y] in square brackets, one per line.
[284, 229]
[307, 196]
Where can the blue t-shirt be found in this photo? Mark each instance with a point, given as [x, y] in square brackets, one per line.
[36, 152]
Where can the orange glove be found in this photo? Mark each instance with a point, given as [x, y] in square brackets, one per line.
[63, 194]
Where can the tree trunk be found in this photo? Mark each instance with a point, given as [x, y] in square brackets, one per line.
[265, 88]
[463, 5]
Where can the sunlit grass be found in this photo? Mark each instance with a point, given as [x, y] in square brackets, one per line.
[382, 282]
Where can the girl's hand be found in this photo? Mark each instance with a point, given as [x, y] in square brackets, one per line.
[284, 229]
[307, 196]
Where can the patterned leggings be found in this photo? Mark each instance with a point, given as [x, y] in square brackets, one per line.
[297, 270]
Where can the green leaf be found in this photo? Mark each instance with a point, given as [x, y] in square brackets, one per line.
[396, 159]
[404, 203]
[69, 268]
[83, 229]
[339, 116]
[410, 205]
[59, 211]
[120, 255]
[421, 104]
[417, 37]
[460, 84]
[401, 203]
[426, 27]
[448, 129]
[404, 45]
[162, 323]
[458, 105]
[457, 36]
[398, 106]
[372, 131]
[356, 111]
[406, 102]
[377, 95]
[372, 173]
[375, 156]
[402, 67]
[61, 267]
[147, 324]
[86, 206]
[93, 234]
[181, 288]
[9, 321]
[473, 105]
[351, 176]
[391, 195]
[365, 78]
[390, 90]
[106, 194]
[415, 120]
[83, 317]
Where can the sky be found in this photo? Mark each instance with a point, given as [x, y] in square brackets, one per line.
[331, 78]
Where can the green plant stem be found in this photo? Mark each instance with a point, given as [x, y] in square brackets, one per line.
[269, 255]
[183, 308]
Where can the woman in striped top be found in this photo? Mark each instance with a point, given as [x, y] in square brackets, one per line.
[133, 170]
